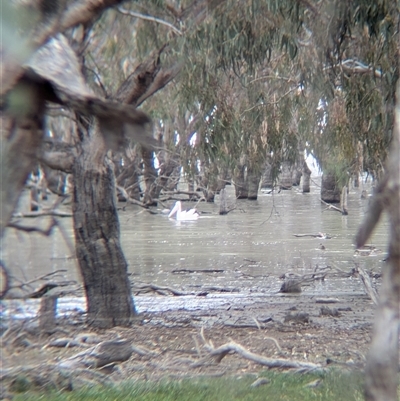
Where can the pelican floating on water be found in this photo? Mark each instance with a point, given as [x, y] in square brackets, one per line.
[182, 215]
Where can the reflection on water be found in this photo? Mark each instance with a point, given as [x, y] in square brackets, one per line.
[253, 245]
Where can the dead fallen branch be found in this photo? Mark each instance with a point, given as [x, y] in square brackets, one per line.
[318, 235]
[53, 213]
[105, 353]
[155, 288]
[126, 196]
[57, 273]
[219, 353]
[180, 271]
[331, 207]
[364, 276]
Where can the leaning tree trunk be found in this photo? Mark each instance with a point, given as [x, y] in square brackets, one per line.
[96, 226]
[381, 373]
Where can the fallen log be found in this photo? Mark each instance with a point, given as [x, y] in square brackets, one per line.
[318, 235]
[179, 271]
[104, 353]
[367, 284]
[160, 290]
[219, 353]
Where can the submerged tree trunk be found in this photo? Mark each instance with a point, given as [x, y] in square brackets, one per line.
[343, 201]
[306, 178]
[253, 182]
[330, 192]
[267, 181]
[241, 190]
[150, 175]
[285, 178]
[96, 226]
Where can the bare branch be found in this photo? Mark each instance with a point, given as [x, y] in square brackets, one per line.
[149, 18]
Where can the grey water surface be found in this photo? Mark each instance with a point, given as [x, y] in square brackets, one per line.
[243, 252]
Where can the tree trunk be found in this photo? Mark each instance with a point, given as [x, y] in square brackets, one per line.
[267, 181]
[223, 208]
[240, 183]
[330, 192]
[150, 176]
[343, 201]
[296, 176]
[306, 178]
[96, 226]
[381, 372]
[222, 180]
[253, 182]
[285, 178]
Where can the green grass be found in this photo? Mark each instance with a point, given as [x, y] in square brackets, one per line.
[335, 386]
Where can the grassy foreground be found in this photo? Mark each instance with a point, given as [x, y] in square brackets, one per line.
[335, 386]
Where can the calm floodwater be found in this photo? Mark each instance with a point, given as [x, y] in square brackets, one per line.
[253, 245]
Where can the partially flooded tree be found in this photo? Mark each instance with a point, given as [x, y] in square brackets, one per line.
[52, 74]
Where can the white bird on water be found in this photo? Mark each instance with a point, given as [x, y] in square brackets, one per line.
[182, 215]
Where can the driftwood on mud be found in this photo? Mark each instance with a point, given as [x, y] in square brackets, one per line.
[137, 289]
[106, 353]
[318, 235]
[53, 213]
[217, 354]
[369, 289]
[180, 271]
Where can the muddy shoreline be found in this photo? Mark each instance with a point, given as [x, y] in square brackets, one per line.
[174, 339]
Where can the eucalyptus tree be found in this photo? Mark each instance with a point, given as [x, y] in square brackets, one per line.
[54, 76]
[290, 74]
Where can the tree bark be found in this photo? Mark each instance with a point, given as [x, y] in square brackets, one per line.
[253, 182]
[381, 373]
[343, 201]
[150, 176]
[306, 178]
[267, 181]
[285, 178]
[96, 226]
[240, 182]
[329, 190]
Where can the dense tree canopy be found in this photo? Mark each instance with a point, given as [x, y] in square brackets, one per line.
[259, 79]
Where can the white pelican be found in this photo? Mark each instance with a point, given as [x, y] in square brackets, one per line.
[182, 215]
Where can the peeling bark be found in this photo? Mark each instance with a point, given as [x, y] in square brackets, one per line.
[381, 373]
[96, 226]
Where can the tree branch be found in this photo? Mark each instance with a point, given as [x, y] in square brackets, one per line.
[149, 18]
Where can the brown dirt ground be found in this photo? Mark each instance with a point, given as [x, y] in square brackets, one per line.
[175, 342]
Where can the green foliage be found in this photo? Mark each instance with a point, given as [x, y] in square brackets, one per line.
[283, 386]
[265, 78]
